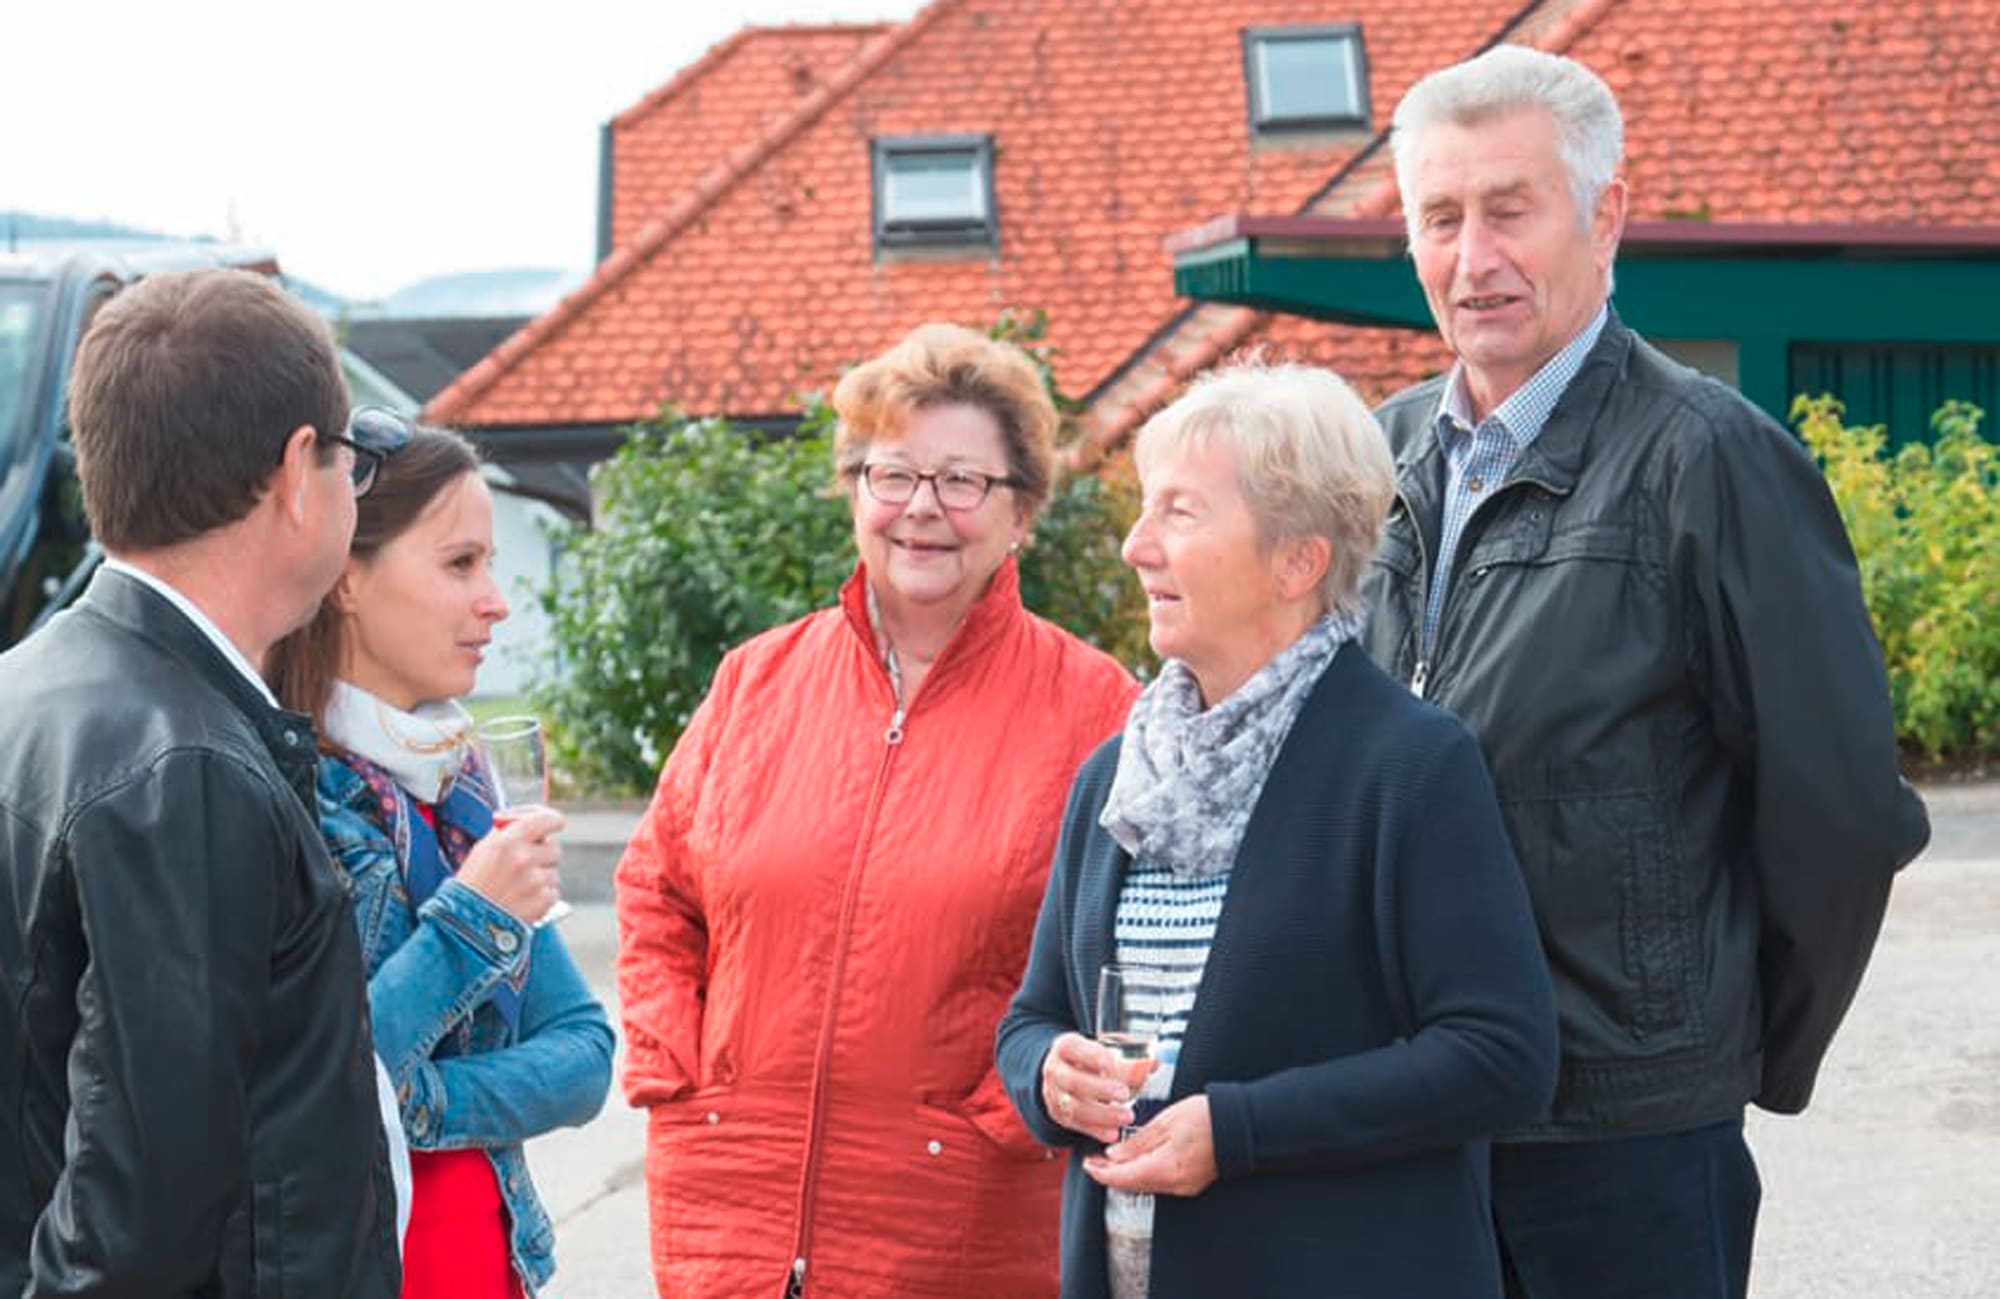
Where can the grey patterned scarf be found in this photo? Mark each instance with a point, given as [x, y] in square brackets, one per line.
[1188, 778]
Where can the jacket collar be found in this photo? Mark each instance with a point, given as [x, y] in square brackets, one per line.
[133, 605]
[1555, 457]
[996, 609]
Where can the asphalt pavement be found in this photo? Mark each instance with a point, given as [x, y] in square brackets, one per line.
[1888, 1187]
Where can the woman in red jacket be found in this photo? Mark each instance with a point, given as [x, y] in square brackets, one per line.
[829, 902]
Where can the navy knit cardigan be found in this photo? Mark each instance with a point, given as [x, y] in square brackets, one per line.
[1374, 1006]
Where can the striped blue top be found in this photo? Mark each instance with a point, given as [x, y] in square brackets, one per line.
[1167, 922]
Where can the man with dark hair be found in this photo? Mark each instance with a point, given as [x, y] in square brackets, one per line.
[1634, 587]
[189, 1090]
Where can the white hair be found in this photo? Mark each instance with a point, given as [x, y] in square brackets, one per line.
[1310, 459]
[1590, 133]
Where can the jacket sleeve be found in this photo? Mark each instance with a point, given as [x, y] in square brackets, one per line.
[461, 949]
[555, 1075]
[1481, 1052]
[176, 882]
[1798, 697]
[1041, 1010]
[662, 929]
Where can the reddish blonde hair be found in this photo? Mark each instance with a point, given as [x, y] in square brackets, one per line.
[949, 365]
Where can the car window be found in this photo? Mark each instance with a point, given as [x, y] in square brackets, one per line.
[20, 322]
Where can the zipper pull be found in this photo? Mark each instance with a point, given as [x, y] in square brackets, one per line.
[894, 735]
[1421, 679]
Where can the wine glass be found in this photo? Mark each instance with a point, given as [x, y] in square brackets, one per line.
[1131, 1000]
[1128, 1008]
[517, 771]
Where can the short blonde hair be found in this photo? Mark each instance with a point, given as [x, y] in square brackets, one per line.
[950, 365]
[1310, 459]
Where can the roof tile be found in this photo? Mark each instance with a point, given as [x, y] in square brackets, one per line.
[739, 285]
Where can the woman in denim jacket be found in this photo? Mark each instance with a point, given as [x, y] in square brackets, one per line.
[487, 1027]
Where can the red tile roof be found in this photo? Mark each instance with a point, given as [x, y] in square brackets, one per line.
[722, 102]
[1735, 110]
[761, 280]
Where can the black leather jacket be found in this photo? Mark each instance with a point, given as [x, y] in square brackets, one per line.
[1656, 630]
[187, 1098]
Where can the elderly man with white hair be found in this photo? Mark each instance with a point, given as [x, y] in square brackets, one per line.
[1635, 589]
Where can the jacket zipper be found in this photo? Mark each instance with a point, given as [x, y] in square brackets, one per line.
[1420, 680]
[892, 739]
[1422, 676]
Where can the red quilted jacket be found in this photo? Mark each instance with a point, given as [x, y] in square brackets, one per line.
[821, 921]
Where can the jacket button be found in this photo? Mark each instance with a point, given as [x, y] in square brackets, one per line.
[711, 1118]
[935, 1147]
[420, 1120]
[505, 940]
[292, 738]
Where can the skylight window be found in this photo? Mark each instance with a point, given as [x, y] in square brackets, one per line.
[934, 190]
[1306, 78]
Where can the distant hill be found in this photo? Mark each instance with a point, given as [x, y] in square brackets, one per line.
[27, 225]
[488, 294]
[475, 293]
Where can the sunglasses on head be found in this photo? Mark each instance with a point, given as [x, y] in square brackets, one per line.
[374, 433]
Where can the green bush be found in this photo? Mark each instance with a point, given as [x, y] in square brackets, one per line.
[1926, 530]
[709, 533]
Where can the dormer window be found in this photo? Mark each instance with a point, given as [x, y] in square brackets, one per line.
[934, 190]
[1306, 78]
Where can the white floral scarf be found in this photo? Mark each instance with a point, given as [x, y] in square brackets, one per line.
[1188, 777]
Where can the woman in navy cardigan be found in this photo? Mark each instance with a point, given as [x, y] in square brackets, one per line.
[1311, 862]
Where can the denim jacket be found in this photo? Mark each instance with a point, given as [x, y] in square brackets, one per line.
[427, 969]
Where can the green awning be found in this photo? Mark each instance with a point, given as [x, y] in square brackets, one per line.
[1771, 290]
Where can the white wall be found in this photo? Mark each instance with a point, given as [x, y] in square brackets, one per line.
[521, 644]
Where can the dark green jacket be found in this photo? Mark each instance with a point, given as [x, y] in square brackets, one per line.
[1656, 630]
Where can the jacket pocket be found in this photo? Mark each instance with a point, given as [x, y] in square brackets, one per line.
[267, 1236]
[1616, 922]
[1658, 944]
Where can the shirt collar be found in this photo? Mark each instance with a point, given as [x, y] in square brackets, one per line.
[192, 612]
[1528, 407]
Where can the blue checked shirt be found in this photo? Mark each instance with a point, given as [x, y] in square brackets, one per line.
[1479, 458]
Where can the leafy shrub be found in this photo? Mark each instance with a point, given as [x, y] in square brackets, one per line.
[709, 533]
[706, 535]
[1926, 530]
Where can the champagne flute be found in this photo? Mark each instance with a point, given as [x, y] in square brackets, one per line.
[517, 771]
[1128, 1008]
[1130, 1003]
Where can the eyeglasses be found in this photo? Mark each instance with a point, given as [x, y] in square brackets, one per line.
[374, 433]
[957, 489]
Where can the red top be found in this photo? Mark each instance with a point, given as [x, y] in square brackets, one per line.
[456, 1247]
[820, 926]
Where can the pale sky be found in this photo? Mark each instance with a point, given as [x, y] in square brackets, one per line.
[370, 143]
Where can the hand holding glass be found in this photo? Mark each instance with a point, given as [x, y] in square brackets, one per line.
[517, 768]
